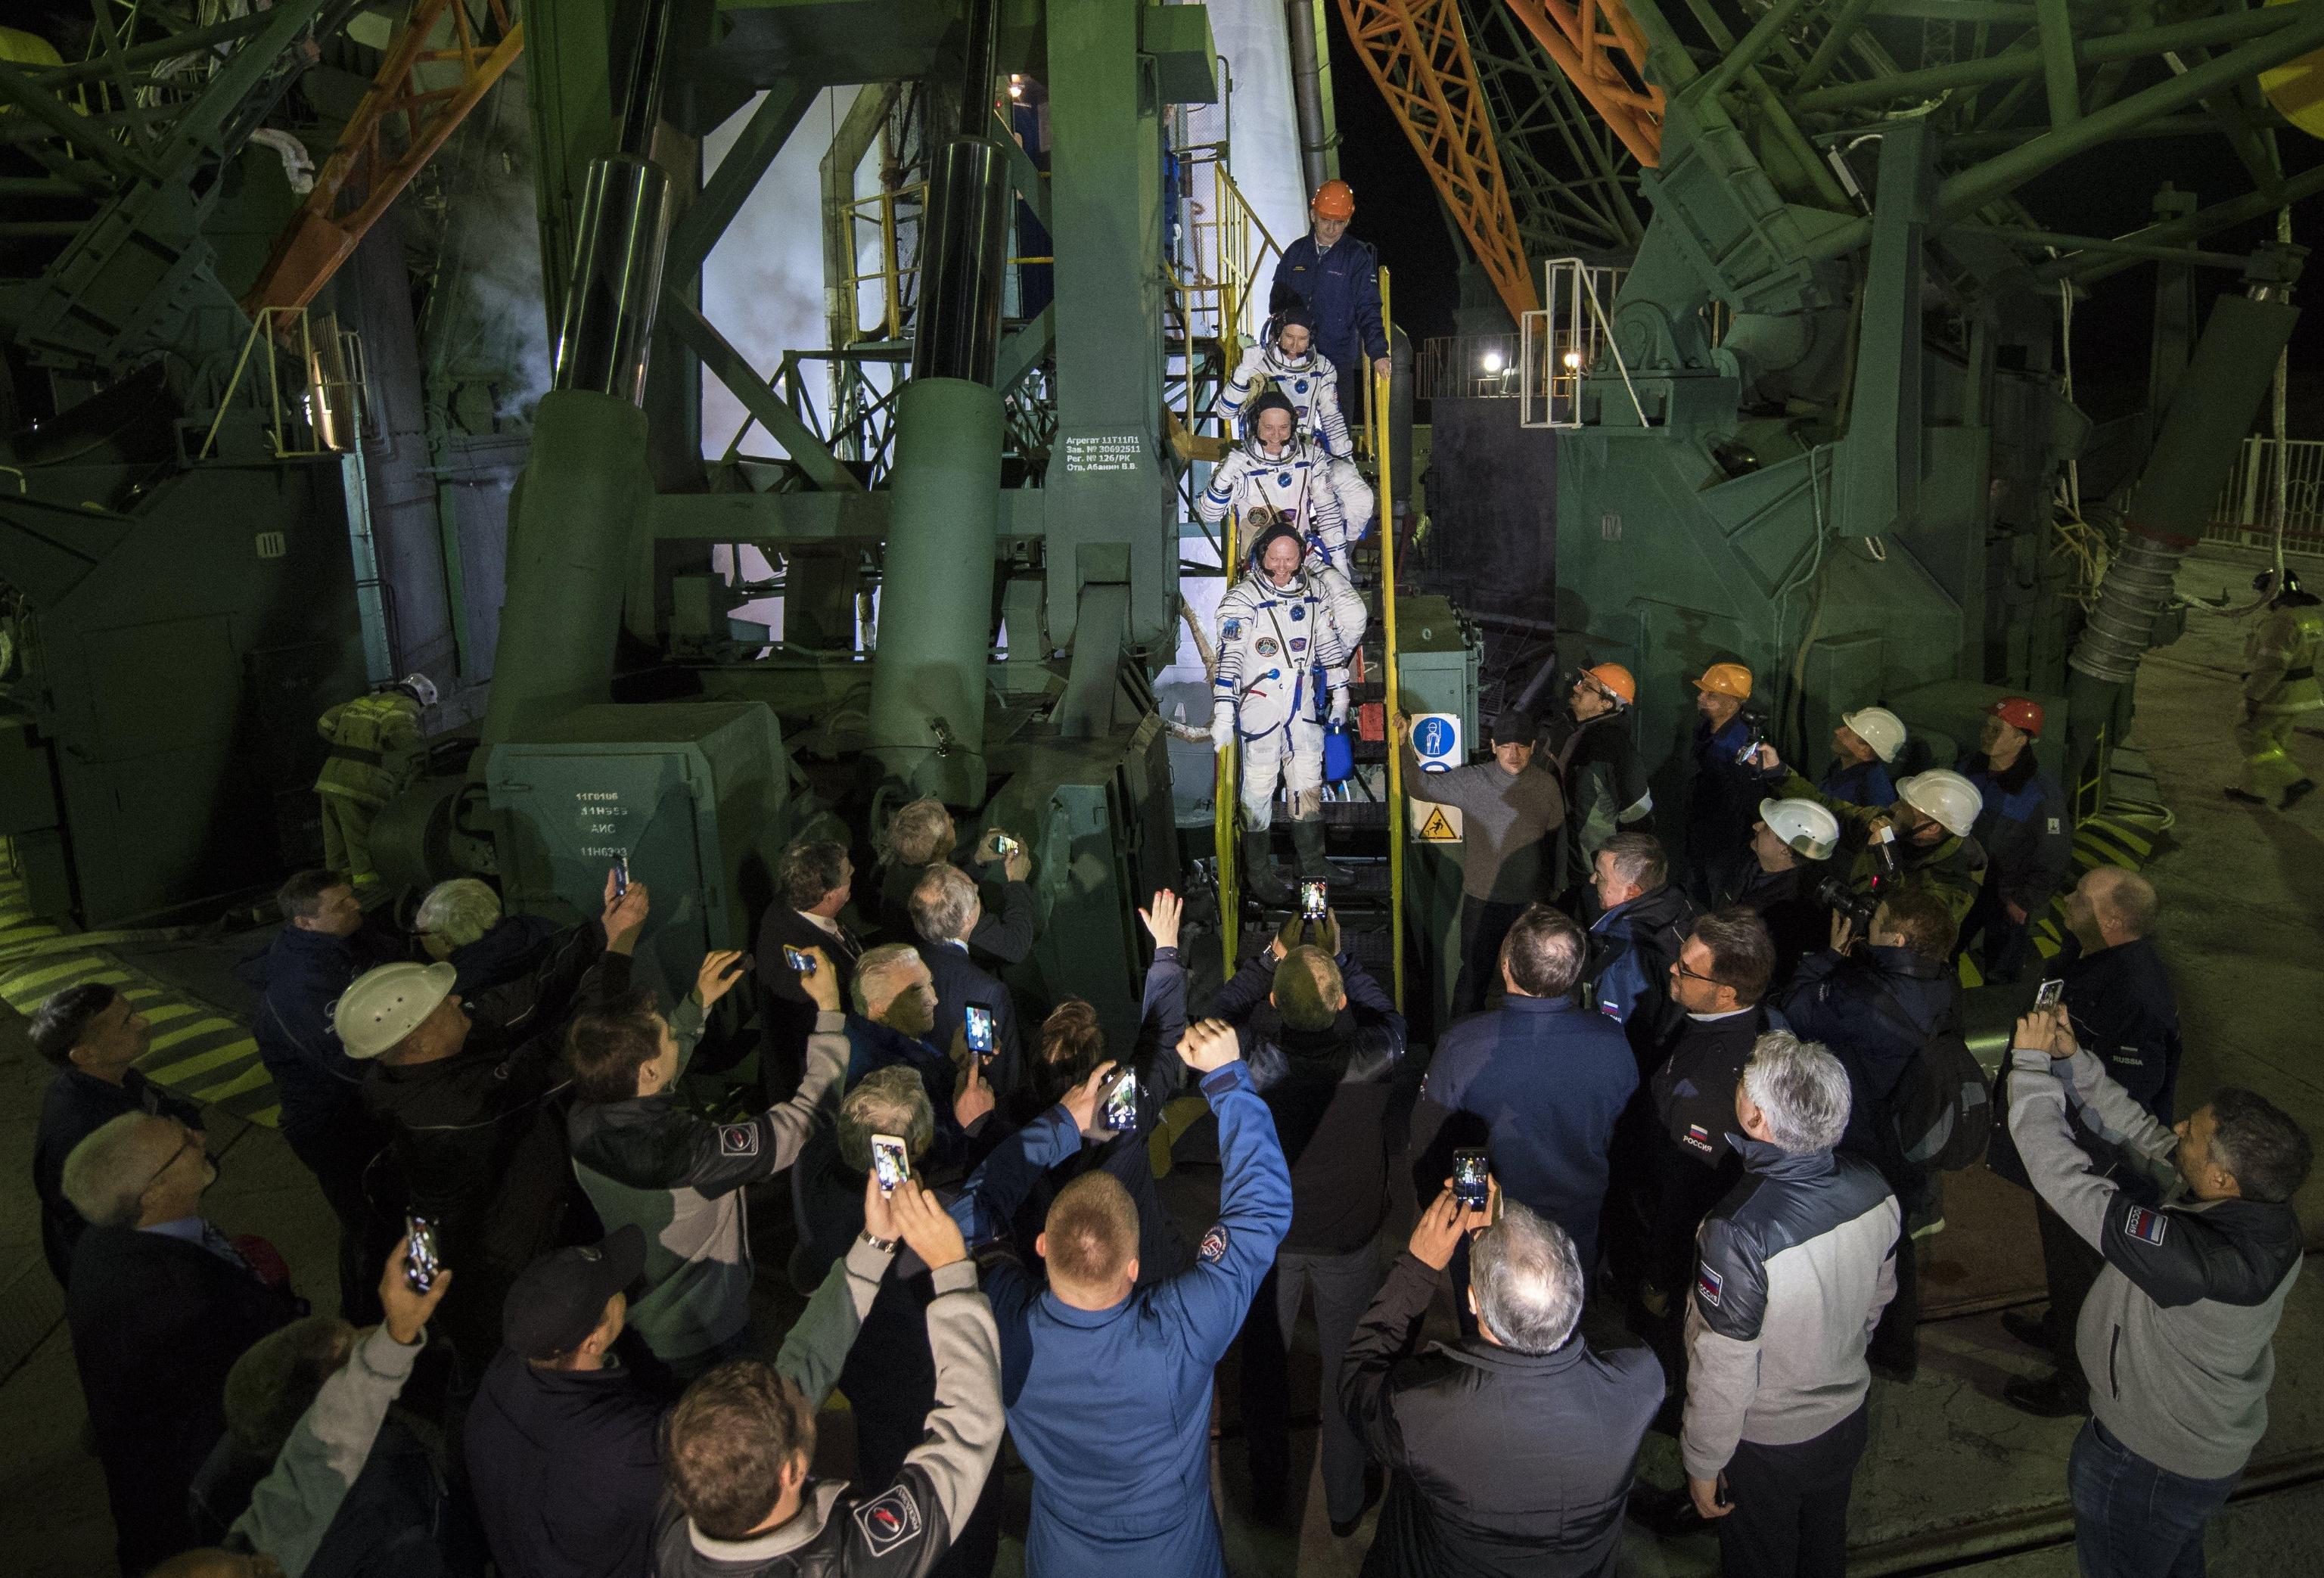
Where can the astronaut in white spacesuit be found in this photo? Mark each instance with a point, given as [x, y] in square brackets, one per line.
[1276, 474]
[1289, 363]
[1282, 677]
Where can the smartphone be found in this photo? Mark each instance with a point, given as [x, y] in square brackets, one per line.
[621, 875]
[891, 1160]
[1315, 897]
[801, 963]
[1121, 1102]
[976, 1020]
[2050, 995]
[420, 1261]
[1004, 845]
[1472, 1175]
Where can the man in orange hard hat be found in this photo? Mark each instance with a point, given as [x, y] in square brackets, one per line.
[2027, 834]
[1336, 277]
[1723, 799]
[1606, 790]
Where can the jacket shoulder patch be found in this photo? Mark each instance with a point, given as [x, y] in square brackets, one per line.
[738, 1139]
[2146, 1225]
[888, 1519]
[1214, 1244]
[1709, 1284]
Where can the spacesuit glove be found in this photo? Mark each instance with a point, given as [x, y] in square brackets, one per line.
[1223, 725]
[1339, 716]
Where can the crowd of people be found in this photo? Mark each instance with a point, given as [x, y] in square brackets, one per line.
[1666, 1167]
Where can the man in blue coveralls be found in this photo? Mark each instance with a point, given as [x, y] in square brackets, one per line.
[1337, 279]
[1108, 1386]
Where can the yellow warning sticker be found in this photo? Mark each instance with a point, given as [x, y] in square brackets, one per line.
[1439, 826]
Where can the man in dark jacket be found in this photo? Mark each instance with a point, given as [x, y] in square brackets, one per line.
[1336, 277]
[93, 1036]
[323, 946]
[1328, 1073]
[921, 834]
[462, 923]
[469, 1117]
[1728, 782]
[945, 912]
[895, 1001]
[1873, 1006]
[814, 881]
[1510, 1452]
[1537, 1081]
[1598, 766]
[2026, 833]
[1791, 844]
[2120, 1007]
[161, 1304]
[1643, 919]
[1863, 746]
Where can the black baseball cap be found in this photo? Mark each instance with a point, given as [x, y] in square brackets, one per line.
[560, 1297]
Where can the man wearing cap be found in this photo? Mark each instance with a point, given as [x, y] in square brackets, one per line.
[1723, 797]
[1274, 475]
[2027, 835]
[1927, 839]
[1336, 277]
[468, 1119]
[1863, 746]
[1606, 790]
[1282, 675]
[1790, 844]
[1510, 809]
[2279, 689]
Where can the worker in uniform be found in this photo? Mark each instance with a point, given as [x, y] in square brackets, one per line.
[1606, 790]
[1282, 679]
[2027, 836]
[1927, 839]
[1336, 277]
[1728, 787]
[1276, 474]
[1289, 364]
[372, 740]
[2279, 689]
[1863, 747]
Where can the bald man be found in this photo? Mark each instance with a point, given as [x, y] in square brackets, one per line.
[2123, 1009]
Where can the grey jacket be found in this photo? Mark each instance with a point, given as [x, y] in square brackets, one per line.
[1793, 1268]
[291, 1509]
[680, 1177]
[1508, 855]
[2177, 1333]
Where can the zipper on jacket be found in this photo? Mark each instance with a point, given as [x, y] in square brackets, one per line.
[2114, 1349]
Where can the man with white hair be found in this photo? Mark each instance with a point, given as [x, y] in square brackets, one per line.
[1793, 1270]
[462, 923]
[895, 1014]
[1522, 1438]
[946, 909]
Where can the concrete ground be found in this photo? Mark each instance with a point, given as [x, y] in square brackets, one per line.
[1954, 1480]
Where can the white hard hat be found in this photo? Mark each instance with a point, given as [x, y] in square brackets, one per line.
[1879, 728]
[386, 1004]
[1946, 796]
[1805, 827]
[420, 687]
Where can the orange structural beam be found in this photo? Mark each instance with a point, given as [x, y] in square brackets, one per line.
[1418, 53]
[1599, 48]
[319, 237]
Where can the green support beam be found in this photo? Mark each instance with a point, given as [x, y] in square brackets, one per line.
[2058, 78]
[737, 176]
[722, 362]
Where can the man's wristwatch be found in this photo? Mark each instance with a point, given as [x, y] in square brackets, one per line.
[886, 1246]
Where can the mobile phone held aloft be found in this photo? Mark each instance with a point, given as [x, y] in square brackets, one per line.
[976, 1023]
[891, 1160]
[1472, 1176]
[1121, 1102]
[1004, 846]
[801, 963]
[621, 875]
[2051, 994]
[1315, 897]
[420, 1260]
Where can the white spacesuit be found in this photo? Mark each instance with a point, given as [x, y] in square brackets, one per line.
[1308, 381]
[1282, 675]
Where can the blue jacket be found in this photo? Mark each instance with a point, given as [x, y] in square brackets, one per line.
[1723, 801]
[1632, 948]
[508, 952]
[1874, 1010]
[1111, 1408]
[1861, 783]
[1342, 289]
[306, 971]
[2024, 829]
[872, 1045]
[1545, 1082]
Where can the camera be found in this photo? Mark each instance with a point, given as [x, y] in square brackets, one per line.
[1834, 894]
[801, 962]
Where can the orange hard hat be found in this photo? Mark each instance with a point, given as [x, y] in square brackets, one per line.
[1615, 680]
[2020, 713]
[1334, 199]
[1727, 679]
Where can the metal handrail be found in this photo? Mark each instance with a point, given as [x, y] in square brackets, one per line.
[1396, 829]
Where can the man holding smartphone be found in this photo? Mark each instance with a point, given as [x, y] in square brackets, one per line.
[946, 911]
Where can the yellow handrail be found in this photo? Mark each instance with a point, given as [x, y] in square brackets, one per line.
[1379, 425]
[1222, 815]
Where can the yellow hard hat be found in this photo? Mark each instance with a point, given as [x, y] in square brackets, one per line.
[1727, 679]
[1334, 199]
[1615, 680]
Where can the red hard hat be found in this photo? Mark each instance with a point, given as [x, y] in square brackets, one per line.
[1334, 199]
[2020, 713]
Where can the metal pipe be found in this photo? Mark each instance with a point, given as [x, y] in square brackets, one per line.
[962, 258]
[1764, 34]
[2056, 30]
[2203, 222]
[1307, 91]
[607, 329]
[2099, 245]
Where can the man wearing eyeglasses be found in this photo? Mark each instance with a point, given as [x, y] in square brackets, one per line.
[161, 1303]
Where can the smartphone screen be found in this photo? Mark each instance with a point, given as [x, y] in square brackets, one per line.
[1004, 844]
[1315, 897]
[2050, 995]
[621, 875]
[976, 1019]
[1472, 1178]
[420, 1261]
[1122, 1104]
[801, 963]
[891, 1160]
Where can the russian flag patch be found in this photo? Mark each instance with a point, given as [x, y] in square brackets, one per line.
[1709, 1284]
[2144, 1226]
[1698, 1136]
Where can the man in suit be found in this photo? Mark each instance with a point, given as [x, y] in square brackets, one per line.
[161, 1304]
[93, 1035]
[946, 908]
[814, 880]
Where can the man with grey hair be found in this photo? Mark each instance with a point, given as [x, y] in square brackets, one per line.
[946, 911]
[1520, 1438]
[895, 1014]
[1793, 1270]
[462, 923]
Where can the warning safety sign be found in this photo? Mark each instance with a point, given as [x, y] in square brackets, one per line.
[1434, 824]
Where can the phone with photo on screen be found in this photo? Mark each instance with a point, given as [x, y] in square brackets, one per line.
[621, 875]
[2051, 994]
[1315, 897]
[801, 962]
[1121, 1102]
[891, 1160]
[1472, 1178]
[976, 1024]
[421, 1263]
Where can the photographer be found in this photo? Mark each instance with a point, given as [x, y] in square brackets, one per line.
[1927, 839]
[921, 834]
[814, 881]
[945, 912]
[895, 1013]
[1791, 843]
[1642, 920]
